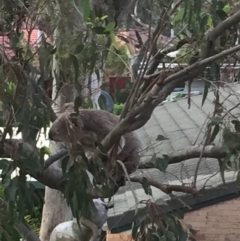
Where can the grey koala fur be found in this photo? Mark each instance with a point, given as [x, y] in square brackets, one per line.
[90, 126]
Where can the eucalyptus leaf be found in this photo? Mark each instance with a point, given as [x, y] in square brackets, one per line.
[160, 163]
[79, 49]
[86, 10]
[170, 236]
[179, 15]
[203, 23]
[76, 66]
[216, 119]
[221, 14]
[183, 236]
[99, 30]
[146, 186]
[161, 138]
[163, 238]
[101, 148]
[65, 162]
[110, 27]
[141, 215]
[236, 124]
[214, 133]
[78, 102]
[135, 230]
[205, 92]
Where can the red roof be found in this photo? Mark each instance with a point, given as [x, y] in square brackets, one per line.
[30, 38]
[5, 47]
[130, 35]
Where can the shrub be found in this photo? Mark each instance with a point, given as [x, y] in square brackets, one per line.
[122, 96]
[118, 108]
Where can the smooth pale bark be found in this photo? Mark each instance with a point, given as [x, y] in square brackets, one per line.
[55, 209]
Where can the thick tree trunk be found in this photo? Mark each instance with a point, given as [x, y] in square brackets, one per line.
[55, 208]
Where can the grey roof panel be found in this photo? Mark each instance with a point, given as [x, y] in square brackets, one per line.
[181, 126]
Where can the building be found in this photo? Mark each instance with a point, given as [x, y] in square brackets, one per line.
[215, 214]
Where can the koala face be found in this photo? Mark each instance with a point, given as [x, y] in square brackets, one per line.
[66, 128]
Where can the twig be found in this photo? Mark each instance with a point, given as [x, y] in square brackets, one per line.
[200, 159]
[168, 189]
[130, 184]
[176, 7]
[200, 130]
[185, 73]
[234, 107]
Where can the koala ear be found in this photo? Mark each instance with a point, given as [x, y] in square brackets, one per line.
[75, 120]
[68, 106]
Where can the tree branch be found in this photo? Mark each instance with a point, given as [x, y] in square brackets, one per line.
[223, 26]
[168, 189]
[50, 175]
[159, 92]
[162, 53]
[54, 158]
[143, 50]
[210, 151]
[194, 68]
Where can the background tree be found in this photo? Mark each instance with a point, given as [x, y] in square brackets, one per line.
[75, 32]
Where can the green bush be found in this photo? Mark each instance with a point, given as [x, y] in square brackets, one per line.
[34, 220]
[117, 60]
[122, 96]
[118, 108]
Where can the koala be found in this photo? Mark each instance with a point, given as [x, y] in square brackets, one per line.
[89, 126]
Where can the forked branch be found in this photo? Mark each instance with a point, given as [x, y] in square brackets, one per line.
[159, 92]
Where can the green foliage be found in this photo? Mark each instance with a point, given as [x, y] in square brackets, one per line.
[8, 232]
[160, 163]
[200, 19]
[122, 96]
[147, 225]
[77, 54]
[117, 60]
[185, 54]
[81, 183]
[146, 187]
[34, 219]
[118, 109]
